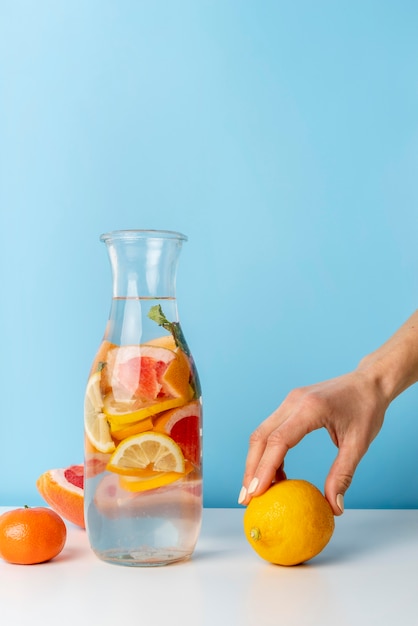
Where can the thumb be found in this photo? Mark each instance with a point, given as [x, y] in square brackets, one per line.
[340, 477]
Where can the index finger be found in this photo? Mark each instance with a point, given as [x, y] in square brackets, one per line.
[267, 452]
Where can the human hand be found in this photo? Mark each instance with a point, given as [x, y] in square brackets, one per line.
[351, 407]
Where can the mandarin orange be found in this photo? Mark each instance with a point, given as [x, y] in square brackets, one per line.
[31, 535]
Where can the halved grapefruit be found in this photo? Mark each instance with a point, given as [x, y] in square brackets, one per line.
[63, 490]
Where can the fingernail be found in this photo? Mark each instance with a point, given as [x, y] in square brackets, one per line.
[340, 502]
[242, 495]
[253, 485]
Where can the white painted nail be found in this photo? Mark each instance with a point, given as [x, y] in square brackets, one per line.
[253, 485]
[340, 502]
[242, 495]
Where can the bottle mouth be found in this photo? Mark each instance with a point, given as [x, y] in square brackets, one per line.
[135, 234]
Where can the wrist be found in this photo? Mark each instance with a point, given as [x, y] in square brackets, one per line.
[391, 370]
[377, 374]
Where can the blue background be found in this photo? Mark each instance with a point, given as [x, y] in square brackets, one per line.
[282, 138]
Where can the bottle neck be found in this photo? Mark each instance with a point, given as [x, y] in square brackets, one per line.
[129, 321]
[144, 267]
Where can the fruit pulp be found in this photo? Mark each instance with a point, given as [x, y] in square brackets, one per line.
[142, 381]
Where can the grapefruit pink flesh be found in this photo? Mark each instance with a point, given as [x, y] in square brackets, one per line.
[186, 434]
[75, 475]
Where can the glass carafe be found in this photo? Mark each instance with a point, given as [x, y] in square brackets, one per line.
[143, 413]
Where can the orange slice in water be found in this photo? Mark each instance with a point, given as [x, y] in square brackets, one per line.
[175, 380]
[177, 377]
[165, 341]
[133, 429]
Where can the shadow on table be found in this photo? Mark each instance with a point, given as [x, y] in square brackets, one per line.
[367, 533]
[356, 533]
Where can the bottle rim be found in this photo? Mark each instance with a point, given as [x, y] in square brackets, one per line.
[134, 234]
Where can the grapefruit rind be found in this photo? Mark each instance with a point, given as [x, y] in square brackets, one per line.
[175, 380]
[189, 439]
[165, 422]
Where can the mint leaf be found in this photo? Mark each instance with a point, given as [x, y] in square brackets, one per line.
[156, 315]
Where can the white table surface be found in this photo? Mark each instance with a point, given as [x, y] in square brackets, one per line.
[368, 574]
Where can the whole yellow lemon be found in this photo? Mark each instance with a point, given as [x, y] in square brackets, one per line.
[290, 523]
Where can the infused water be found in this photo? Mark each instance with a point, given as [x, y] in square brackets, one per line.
[143, 416]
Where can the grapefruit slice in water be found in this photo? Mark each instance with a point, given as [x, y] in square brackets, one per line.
[147, 373]
[183, 425]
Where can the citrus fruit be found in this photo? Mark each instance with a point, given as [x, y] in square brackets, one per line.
[165, 341]
[137, 371]
[95, 422]
[119, 415]
[183, 425]
[147, 457]
[133, 429]
[63, 490]
[151, 479]
[95, 464]
[143, 380]
[175, 380]
[147, 372]
[31, 535]
[144, 452]
[290, 523]
[186, 496]
[100, 365]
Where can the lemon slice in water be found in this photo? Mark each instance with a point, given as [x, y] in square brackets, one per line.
[95, 421]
